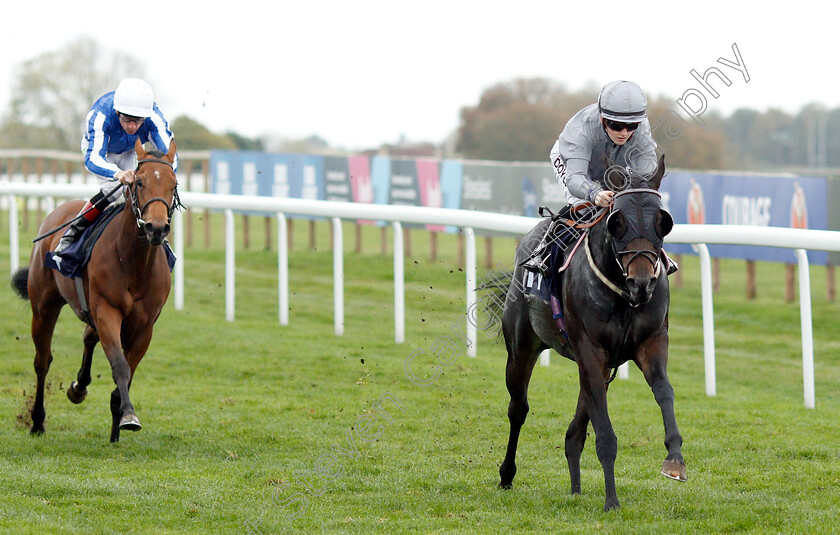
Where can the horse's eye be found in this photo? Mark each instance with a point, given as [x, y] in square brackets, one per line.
[139, 183]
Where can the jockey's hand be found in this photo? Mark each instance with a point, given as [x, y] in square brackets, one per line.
[125, 177]
[604, 198]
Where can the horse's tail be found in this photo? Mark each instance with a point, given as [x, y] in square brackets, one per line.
[495, 288]
[19, 282]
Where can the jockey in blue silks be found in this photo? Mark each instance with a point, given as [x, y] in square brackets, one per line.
[116, 120]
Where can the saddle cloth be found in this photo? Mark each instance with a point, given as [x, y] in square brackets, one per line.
[544, 286]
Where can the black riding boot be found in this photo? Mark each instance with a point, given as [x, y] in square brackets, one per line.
[539, 259]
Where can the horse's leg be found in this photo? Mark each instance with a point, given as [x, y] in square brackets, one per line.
[523, 349]
[136, 349]
[653, 363]
[109, 323]
[575, 439]
[77, 391]
[594, 392]
[116, 415]
[44, 317]
[119, 421]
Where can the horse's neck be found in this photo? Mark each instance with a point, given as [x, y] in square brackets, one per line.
[134, 249]
[602, 253]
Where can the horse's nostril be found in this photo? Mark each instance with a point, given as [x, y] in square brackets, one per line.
[149, 228]
[166, 229]
[642, 287]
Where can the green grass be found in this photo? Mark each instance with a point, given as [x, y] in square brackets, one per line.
[241, 418]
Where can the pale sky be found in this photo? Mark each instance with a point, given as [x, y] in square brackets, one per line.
[363, 73]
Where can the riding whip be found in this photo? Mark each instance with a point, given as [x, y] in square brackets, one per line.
[60, 227]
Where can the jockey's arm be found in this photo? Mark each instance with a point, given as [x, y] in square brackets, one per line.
[581, 186]
[571, 173]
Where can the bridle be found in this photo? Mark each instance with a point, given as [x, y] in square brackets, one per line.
[135, 202]
[652, 256]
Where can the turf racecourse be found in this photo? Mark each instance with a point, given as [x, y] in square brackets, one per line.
[248, 423]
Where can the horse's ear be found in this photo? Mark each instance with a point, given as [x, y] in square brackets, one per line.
[664, 223]
[172, 150]
[656, 179]
[616, 224]
[138, 150]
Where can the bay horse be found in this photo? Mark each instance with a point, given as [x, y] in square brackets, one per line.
[126, 284]
[615, 300]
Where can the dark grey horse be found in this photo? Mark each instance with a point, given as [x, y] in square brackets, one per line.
[615, 301]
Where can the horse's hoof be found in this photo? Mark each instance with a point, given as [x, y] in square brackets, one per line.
[674, 470]
[74, 395]
[36, 431]
[130, 422]
[506, 486]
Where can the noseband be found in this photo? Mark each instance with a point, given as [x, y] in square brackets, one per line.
[135, 198]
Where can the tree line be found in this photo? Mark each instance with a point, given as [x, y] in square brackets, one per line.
[521, 118]
[516, 120]
[52, 93]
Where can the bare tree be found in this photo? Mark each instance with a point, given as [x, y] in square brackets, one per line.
[52, 93]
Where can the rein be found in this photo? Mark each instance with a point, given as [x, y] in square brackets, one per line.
[578, 224]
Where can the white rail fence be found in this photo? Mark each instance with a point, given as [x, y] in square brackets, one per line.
[700, 235]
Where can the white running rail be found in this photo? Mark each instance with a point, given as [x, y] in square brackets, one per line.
[700, 235]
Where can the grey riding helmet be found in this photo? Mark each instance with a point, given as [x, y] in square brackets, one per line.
[623, 101]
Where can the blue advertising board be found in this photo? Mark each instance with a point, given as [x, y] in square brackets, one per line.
[747, 199]
[519, 188]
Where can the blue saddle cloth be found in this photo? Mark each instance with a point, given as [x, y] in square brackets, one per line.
[77, 255]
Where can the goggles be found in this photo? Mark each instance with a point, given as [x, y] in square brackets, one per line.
[131, 119]
[618, 126]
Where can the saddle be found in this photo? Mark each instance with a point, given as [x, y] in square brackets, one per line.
[565, 230]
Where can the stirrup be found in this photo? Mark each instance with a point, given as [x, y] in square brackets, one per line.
[65, 242]
[537, 261]
[536, 264]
